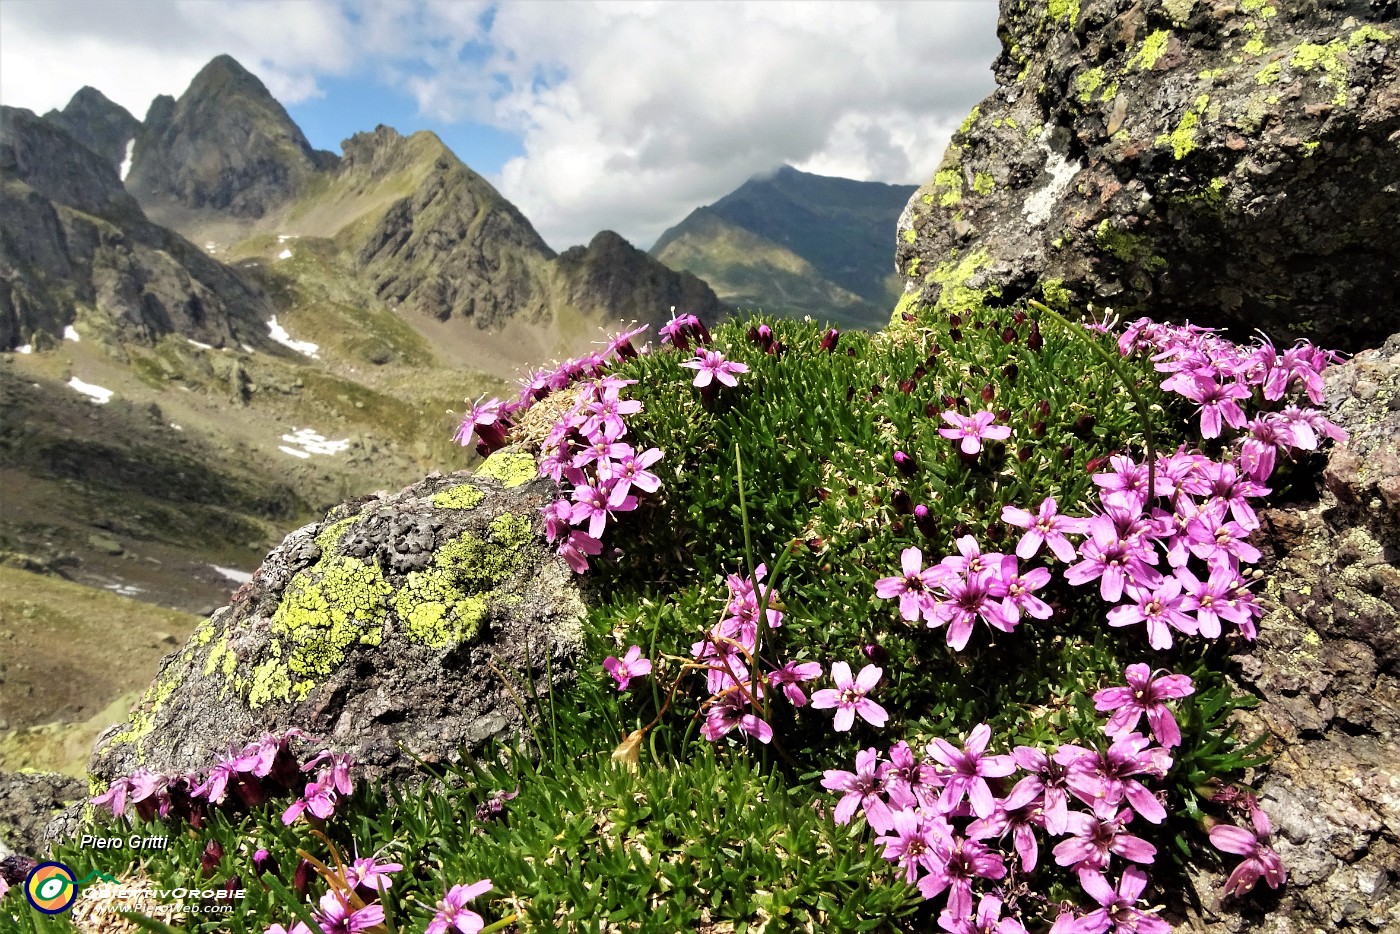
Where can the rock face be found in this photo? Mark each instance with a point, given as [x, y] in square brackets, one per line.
[791, 242]
[1327, 670]
[74, 239]
[28, 801]
[373, 630]
[226, 145]
[100, 125]
[612, 277]
[1234, 163]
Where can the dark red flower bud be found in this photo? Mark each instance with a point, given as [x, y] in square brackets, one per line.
[1003, 415]
[961, 529]
[897, 527]
[925, 520]
[1034, 341]
[821, 493]
[1038, 429]
[1094, 464]
[996, 531]
[301, 879]
[816, 544]
[1010, 372]
[907, 317]
[1019, 317]
[234, 883]
[1043, 407]
[931, 410]
[955, 335]
[950, 402]
[905, 464]
[903, 505]
[831, 337]
[876, 653]
[955, 320]
[906, 386]
[989, 392]
[1085, 424]
[1066, 453]
[213, 855]
[1024, 454]
[920, 372]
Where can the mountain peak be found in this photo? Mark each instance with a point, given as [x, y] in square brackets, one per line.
[102, 126]
[226, 145]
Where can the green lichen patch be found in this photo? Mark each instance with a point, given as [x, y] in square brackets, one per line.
[436, 611]
[270, 683]
[1087, 82]
[950, 182]
[954, 274]
[1064, 10]
[1126, 247]
[328, 608]
[511, 468]
[1055, 294]
[484, 564]
[1367, 33]
[1152, 48]
[1311, 56]
[1269, 74]
[983, 184]
[329, 537]
[1264, 8]
[1183, 138]
[465, 496]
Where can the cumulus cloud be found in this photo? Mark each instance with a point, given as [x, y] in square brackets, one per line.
[132, 50]
[634, 113]
[630, 114]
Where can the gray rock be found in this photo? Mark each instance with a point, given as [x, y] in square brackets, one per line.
[28, 801]
[1233, 163]
[374, 630]
[99, 124]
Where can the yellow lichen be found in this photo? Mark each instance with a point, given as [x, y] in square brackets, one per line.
[465, 496]
[511, 468]
[1367, 33]
[983, 184]
[910, 235]
[1087, 82]
[1183, 139]
[1064, 10]
[951, 181]
[328, 608]
[1310, 56]
[1269, 73]
[970, 119]
[1152, 48]
[270, 683]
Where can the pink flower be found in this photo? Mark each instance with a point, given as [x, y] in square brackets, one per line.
[486, 421]
[1160, 609]
[790, 675]
[1047, 527]
[1095, 838]
[864, 790]
[912, 588]
[453, 913]
[1116, 909]
[711, 365]
[337, 917]
[371, 873]
[730, 711]
[319, 799]
[849, 697]
[987, 921]
[630, 666]
[919, 841]
[576, 547]
[972, 430]
[966, 771]
[1144, 695]
[1261, 862]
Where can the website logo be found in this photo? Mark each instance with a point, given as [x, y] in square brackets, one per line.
[53, 888]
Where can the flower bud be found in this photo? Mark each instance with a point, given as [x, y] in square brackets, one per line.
[830, 338]
[955, 335]
[877, 654]
[213, 855]
[301, 879]
[1043, 407]
[925, 520]
[1010, 372]
[905, 464]
[1034, 341]
[903, 505]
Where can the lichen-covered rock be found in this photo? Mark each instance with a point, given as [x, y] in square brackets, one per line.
[28, 801]
[1234, 162]
[1327, 670]
[373, 630]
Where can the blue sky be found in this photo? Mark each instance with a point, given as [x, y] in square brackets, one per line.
[587, 114]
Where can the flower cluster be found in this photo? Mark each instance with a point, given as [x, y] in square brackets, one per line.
[730, 653]
[351, 903]
[953, 822]
[263, 769]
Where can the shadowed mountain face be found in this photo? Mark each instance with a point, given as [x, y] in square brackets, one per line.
[794, 242]
[73, 238]
[100, 125]
[226, 145]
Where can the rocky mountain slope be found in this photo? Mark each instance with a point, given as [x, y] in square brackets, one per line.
[795, 243]
[99, 124]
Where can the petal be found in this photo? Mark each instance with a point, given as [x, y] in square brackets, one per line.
[868, 678]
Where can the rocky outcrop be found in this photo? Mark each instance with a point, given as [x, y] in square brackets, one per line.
[1326, 668]
[28, 801]
[74, 239]
[452, 247]
[374, 630]
[225, 145]
[611, 277]
[1234, 162]
[99, 124]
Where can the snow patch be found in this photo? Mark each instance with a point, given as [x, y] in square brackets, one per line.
[285, 254]
[175, 427]
[309, 442]
[99, 395]
[210, 245]
[246, 348]
[1037, 207]
[280, 335]
[71, 334]
[233, 574]
[25, 348]
[126, 160]
[199, 345]
[124, 590]
[293, 451]
[283, 238]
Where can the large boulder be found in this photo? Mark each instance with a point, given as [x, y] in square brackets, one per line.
[1231, 162]
[374, 630]
[1326, 668]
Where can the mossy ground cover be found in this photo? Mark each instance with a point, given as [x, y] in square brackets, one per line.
[614, 814]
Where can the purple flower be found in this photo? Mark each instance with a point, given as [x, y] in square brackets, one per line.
[966, 771]
[1261, 862]
[337, 917]
[973, 430]
[919, 841]
[1159, 608]
[453, 913]
[849, 697]
[792, 674]
[978, 595]
[678, 331]
[967, 860]
[1103, 780]
[912, 589]
[710, 364]
[1144, 695]
[1116, 911]
[575, 548]
[864, 789]
[1047, 527]
[1094, 839]
[1020, 591]
[486, 421]
[730, 711]
[630, 471]
[319, 799]
[987, 921]
[1217, 402]
[371, 873]
[1211, 600]
[114, 798]
[909, 782]
[630, 666]
[1113, 562]
[621, 344]
[1045, 783]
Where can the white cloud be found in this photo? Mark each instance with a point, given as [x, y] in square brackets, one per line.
[133, 50]
[631, 114]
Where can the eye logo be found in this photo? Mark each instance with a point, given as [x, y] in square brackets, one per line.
[51, 888]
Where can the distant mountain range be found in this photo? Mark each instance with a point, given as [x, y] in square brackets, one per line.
[795, 243]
